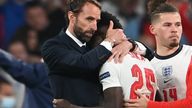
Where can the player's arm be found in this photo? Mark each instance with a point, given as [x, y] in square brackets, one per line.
[113, 98]
[110, 79]
[113, 95]
[62, 103]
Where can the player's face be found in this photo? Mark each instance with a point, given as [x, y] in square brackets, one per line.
[86, 22]
[99, 36]
[168, 29]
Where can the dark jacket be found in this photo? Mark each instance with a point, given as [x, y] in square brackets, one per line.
[33, 76]
[73, 70]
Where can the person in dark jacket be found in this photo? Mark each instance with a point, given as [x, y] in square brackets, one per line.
[33, 76]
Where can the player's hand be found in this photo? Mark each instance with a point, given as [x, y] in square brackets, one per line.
[137, 103]
[115, 36]
[120, 51]
[61, 103]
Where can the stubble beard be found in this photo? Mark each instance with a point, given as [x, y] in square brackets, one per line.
[174, 44]
[81, 35]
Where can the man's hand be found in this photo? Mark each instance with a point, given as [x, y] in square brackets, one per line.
[62, 103]
[120, 51]
[115, 36]
[137, 103]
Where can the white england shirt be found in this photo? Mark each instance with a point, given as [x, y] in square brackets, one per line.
[135, 73]
[172, 73]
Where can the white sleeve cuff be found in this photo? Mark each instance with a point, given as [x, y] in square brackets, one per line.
[107, 45]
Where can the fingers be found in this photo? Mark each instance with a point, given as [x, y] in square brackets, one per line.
[61, 103]
[123, 54]
[111, 57]
[115, 36]
[138, 93]
[54, 101]
[119, 56]
[58, 100]
[111, 25]
[115, 56]
[117, 52]
[131, 103]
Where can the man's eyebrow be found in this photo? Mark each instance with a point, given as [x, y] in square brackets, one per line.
[167, 23]
[90, 17]
[178, 22]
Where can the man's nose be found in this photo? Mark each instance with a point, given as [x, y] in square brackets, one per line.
[94, 25]
[174, 29]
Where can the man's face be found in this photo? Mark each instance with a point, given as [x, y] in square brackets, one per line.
[6, 90]
[168, 29]
[37, 18]
[85, 23]
[18, 50]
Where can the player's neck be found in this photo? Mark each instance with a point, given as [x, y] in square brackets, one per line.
[165, 51]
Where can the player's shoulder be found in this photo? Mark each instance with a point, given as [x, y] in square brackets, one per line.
[135, 56]
[187, 49]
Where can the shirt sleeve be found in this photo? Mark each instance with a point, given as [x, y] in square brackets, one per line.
[107, 45]
[184, 103]
[29, 74]
[109, 75]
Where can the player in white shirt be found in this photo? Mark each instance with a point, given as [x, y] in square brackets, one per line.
[134, 73]
[172, 61]
[120, 81]
[172, 73]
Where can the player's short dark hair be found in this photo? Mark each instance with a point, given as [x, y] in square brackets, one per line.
[106, 18]
[104, 23]
[155, 7]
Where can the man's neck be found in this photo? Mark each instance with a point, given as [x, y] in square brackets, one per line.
[70, 29]
[70, 34]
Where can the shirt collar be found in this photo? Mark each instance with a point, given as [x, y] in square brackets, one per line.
[75, 39]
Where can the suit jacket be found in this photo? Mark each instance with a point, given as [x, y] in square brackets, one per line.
[73, 70]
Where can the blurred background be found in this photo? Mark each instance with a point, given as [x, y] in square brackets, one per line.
[26, 24]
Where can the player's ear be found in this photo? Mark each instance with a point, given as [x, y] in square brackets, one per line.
[152, 29]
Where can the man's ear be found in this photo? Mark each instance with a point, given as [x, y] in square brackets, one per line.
[71, 16]
[152, 29]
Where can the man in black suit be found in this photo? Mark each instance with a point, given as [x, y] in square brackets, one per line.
[73, 68]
